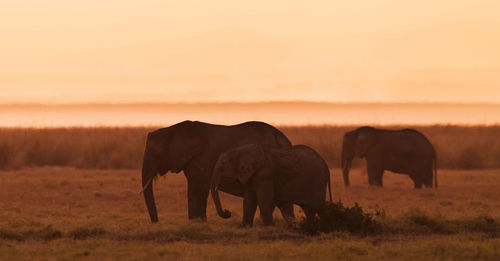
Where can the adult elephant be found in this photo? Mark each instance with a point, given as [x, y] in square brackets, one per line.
[405, 151]
[193, 147]
[267, 177]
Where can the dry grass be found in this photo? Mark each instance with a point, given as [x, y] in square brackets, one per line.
[457, 147]
[71, 214]
[92, 210]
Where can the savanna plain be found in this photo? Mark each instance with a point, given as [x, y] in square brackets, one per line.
[74, 194]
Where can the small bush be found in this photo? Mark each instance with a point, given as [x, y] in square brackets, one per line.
[47, 233]
[418, 219]
[483, 223]
[336, 217]
[84, 233]
[10, 235]
[415, 221]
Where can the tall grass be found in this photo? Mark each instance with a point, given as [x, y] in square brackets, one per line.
[458, 147]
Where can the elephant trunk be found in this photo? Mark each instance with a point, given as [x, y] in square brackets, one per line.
[346, 167]
[214, 189]
[147, 183]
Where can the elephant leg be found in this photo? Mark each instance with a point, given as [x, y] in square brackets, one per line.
[197, 199]
[417, 173]
[375, 171]
[249, 207]
[203, 203]
[287, 212]
[379, 178]
[370, 181]
[428, 176]
[417, 180]
[310, 213]
[265, 199]
[417, 184]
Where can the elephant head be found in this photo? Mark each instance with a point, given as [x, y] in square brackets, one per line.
[168, 149]
[240, 164]
[356, 143]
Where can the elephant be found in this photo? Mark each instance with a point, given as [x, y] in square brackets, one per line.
[193, 147]
[269, 177]
[405, 151]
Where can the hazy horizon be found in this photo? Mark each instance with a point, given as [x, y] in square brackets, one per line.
[243, 103]
[278, 113]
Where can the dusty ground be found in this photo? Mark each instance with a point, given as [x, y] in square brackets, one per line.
[67, 214]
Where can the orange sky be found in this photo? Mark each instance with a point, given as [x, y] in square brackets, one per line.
[172, 51]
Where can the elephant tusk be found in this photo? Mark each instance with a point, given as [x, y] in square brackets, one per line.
[146, 186]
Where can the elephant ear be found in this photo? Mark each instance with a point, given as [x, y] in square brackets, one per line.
[186, 141]
[365, 139]
[249, 161]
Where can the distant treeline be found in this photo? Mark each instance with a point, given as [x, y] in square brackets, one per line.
[458, 147]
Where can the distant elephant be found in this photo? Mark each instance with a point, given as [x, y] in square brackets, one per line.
[269, 177]
[194, 147]
[404, 151]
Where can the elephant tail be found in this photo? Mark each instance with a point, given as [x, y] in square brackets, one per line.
[435, 173]
[329, 187]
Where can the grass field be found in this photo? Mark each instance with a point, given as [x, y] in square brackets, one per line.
[74, 214]
[457, 147]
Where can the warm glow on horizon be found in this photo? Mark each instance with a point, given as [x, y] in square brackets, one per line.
[187, 51]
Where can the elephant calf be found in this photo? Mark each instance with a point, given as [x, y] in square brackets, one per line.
[269, 177]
